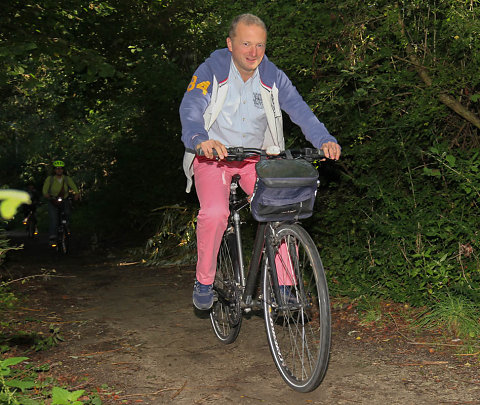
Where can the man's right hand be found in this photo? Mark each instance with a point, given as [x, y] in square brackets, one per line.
[208, 146]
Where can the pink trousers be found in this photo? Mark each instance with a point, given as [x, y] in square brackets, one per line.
[212, 183]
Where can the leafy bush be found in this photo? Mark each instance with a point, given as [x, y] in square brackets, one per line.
[4, 247]
[175, 240]
[410, 235]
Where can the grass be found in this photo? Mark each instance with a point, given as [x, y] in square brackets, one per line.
[456, 315]
[369, 310]
[451, 321]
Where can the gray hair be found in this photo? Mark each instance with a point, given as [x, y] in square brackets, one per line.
[247, 19]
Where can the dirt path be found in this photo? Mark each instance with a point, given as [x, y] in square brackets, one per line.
[133, 329]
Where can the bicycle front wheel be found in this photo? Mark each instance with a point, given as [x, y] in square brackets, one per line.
[297, 317]
[64, 243]
[226, 314]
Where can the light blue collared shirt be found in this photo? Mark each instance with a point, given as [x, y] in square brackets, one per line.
[242, 121]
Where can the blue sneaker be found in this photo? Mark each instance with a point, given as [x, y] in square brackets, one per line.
[287, 292]
[202, 296]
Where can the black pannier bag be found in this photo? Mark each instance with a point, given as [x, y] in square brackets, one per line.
[285, 190]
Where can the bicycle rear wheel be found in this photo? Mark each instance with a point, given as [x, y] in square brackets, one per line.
[226, 314]
[31, 228]
[298, 322]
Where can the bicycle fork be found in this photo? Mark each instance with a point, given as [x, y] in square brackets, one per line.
[288, 262]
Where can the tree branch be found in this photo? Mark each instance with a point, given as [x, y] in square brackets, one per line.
[449, 101]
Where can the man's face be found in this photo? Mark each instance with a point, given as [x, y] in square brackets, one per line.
[59, 171]
[248, 48]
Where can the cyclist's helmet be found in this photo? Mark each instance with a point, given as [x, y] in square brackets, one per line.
[58, 163]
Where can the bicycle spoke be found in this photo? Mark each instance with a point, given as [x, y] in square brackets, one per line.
[298, 326]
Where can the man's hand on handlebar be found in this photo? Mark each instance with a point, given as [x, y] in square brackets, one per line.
[332, 150]
[208, 146]
[213, 149]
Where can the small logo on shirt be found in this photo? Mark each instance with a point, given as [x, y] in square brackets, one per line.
[257, 100]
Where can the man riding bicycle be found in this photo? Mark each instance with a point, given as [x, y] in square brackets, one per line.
[236, 104]
[58, 185]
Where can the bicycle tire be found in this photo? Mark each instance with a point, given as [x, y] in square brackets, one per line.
[226, 314]
[299, 329]
[31, 228]
[64, 243]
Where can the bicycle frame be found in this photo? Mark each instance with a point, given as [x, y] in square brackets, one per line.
[262, 236]
[31, 222]
[62, 225]
[262, 244]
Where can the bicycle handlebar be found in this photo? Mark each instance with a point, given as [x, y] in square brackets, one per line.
[59, 199]
[238, 153]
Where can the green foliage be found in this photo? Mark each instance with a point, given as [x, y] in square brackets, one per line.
[456, 315]
[17, 387]
[175, 240]
[4, 245]
[417, 236]
[8, 385]
[97, 85]
[32, 340]
[61, 396]
[21, 379]
[5, 365]
[53, 338]
[404, 214]
[37, 341]
[7, 299]
[369, 309]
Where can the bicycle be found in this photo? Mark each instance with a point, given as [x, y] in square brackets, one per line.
[297, 310]
[62, 243]
[30, 221]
